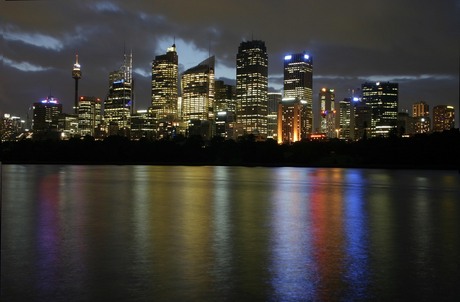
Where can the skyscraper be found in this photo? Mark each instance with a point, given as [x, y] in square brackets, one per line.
[165, 85]
[89, 115]
[198, 91]
[298, 83]
[119, 103]
[382, 98]
[76, 74]
[45, 115]
[443, 118]
[274, 99]
[252, 87]
[327, 112]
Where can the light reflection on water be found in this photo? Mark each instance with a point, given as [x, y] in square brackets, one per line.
[140, 233]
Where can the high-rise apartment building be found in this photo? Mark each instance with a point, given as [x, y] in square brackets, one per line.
[443, 118]
[421, 117]
[252, 87]
[165, 81]
[346, 118]
[119, 103]
[89, 115]
[298, 83]
[327, 112]
[382, 99]
[198, 91]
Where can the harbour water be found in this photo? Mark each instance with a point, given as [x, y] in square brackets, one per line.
[176, 233]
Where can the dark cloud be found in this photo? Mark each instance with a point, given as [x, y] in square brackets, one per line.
[414, 42]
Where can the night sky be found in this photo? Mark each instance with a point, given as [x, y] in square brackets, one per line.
[415, 43]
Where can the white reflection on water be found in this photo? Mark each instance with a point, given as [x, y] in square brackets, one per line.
[294, 273]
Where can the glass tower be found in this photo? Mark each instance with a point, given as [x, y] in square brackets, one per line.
[382, 99]
[119, 104]
[252, 87]
[165, 85]
[198, 91]
[298, 83]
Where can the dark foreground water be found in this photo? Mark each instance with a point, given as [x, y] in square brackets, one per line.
[141, 233]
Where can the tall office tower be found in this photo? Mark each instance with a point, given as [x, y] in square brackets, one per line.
[327, 112]
[45, 115]
[346, 110]
[198, 91]
[252, 87]
[443, 118]
[165, 83]
[119, 103]
[298, 83]
[76, 74]
[272, 118]
[290, 113]
[421, 117]
[382, 98]
[89, 115]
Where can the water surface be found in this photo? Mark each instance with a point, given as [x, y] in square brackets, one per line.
[160, 233]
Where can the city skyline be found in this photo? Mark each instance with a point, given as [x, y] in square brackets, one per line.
[411, 49]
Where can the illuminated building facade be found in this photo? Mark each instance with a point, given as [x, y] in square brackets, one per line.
[76, 74]
[11, 127]
[142, 125]
[89, 115]
[421, 117]
[382, 99]
[327, 112]
[443, 118]
[165, 82]
[225, 98]
[290, 115]
[272, 118]
[298, 83]
[119, 103]
[198, 91]
[45, 115]
[252, 87]
[345, 118]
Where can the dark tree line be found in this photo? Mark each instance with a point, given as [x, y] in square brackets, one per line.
[433, 151]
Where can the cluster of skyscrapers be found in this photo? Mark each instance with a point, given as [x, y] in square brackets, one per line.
[194, 103]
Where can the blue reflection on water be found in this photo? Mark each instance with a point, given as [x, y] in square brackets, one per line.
[356, 228]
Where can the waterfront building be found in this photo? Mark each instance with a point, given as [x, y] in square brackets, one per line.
[89, 115]
[421, 117]
[405, 124]
[165, 82]
[362, 115]
[382, 99]
[327, 112]
[76, 75]
[67, 125]
[298, 83]
[119, 103]
[142, 125]
[252, 87]
[290, 120]
[443, 118]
